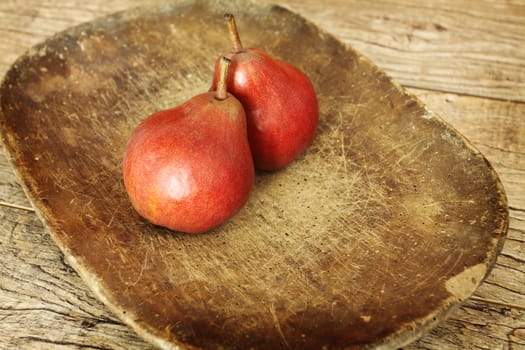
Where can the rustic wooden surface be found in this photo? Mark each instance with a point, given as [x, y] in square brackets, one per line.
[466, 63]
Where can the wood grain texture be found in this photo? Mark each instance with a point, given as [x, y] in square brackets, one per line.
[478, 323]
[467, 47]
[43, 302]
[383, 178]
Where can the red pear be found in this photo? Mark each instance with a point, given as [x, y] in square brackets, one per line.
[279, 100]
[189, 168]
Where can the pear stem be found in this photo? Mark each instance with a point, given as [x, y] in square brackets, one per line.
[234, 34]
[224, 66]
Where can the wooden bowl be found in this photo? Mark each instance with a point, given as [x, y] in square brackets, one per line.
[370, 238]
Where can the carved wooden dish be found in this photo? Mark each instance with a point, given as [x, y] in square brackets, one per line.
[386, 224]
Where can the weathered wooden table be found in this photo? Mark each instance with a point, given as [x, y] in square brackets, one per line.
[464, 59]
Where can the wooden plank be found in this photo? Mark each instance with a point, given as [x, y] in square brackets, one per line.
[26, 23]
[505, 284]
[446, 46]
[43, 302]
[408, 43]
[473, 48]
[11, 193]
[76, 182]
[477, 326]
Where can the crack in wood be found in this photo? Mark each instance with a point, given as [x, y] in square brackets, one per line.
[498, 303]
[62, 343]
[16, 206]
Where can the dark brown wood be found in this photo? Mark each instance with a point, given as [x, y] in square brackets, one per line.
[383, 227]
